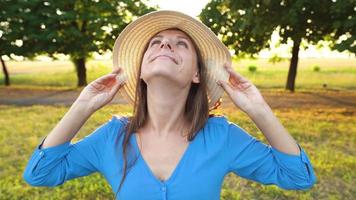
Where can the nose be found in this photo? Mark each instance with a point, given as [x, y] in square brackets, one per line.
[166, 44]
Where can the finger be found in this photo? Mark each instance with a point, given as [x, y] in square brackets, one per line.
[116, 70]
[109, 77]
[105, 79]
[227, 64]
[121, 78]
[225, 85]
[235, 74]
[116, 88]
[119, 82]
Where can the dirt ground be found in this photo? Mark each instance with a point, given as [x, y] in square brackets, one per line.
[308, 99]
[275, 98]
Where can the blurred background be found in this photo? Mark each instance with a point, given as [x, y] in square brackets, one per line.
[300, 54]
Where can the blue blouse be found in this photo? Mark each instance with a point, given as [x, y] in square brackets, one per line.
[219, 148]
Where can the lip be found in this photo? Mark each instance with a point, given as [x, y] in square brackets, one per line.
[167, 56]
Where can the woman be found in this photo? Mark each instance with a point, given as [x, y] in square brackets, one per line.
[174, 70]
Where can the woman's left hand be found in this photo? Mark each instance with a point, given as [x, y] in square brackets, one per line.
[242, 92]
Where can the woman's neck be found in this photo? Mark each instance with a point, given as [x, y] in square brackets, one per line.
[166, 106]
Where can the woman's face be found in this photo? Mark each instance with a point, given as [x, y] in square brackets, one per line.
[170, 55]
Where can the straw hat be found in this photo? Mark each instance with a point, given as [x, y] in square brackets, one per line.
[129, 48]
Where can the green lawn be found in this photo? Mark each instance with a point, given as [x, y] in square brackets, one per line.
[327, 135]
[335, 73]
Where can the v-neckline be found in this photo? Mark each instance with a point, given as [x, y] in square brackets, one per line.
[148, 168]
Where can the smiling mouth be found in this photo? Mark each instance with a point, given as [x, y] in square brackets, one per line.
[165, 56]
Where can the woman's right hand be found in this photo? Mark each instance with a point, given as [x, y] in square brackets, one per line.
[101, 91]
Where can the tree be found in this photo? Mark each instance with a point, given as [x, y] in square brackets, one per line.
[344, 25]
[20, 34]
[78, 28]
[246, 26]
[11, 34]
[6, 47]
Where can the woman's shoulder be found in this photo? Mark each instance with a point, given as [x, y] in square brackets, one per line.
[116, 125]
[119, 119]
[217, 119]
[215, 132]
[216, 125]
[221, 124]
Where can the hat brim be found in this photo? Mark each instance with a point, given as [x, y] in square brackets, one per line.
[129, 48]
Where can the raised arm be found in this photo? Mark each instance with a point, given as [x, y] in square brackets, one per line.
[284, 162]
[55, 159]
[247, 97]
[94, 96]
[250, 158]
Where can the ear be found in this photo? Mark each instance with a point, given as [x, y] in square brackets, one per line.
[196, 78]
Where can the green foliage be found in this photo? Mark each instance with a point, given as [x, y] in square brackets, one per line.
[275, 59]
[343, 23]
[236, 26]
[12, 30]
[246, 26]
[316, 68]
[75, 28]
[252, 68]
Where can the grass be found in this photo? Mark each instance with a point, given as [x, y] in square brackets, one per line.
[62, 75]
[18, 141]
[335, 73]
[327, 135]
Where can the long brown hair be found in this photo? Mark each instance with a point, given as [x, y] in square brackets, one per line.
[196, 109]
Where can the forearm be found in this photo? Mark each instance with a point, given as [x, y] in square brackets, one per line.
[274, 131]
[68, 126]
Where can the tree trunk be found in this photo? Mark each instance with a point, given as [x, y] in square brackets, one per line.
[81, 71]
[6, 73]
[292, 73]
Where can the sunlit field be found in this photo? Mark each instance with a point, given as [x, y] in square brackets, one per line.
[327, 135]
[332, 73]
[325, 130]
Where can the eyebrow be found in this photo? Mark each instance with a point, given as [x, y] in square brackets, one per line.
[181, 37]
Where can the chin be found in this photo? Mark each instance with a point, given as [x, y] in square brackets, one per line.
[158, 71]
[162, 74]
[162, 78]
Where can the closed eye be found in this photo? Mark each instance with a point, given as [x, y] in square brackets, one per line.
[155, 41]
[182, 43]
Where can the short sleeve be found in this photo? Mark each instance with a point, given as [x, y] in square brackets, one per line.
[254, 160]
[54, 165]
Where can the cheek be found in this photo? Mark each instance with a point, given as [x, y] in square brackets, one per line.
[143, 64]
[191, 62]
[145, 57]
